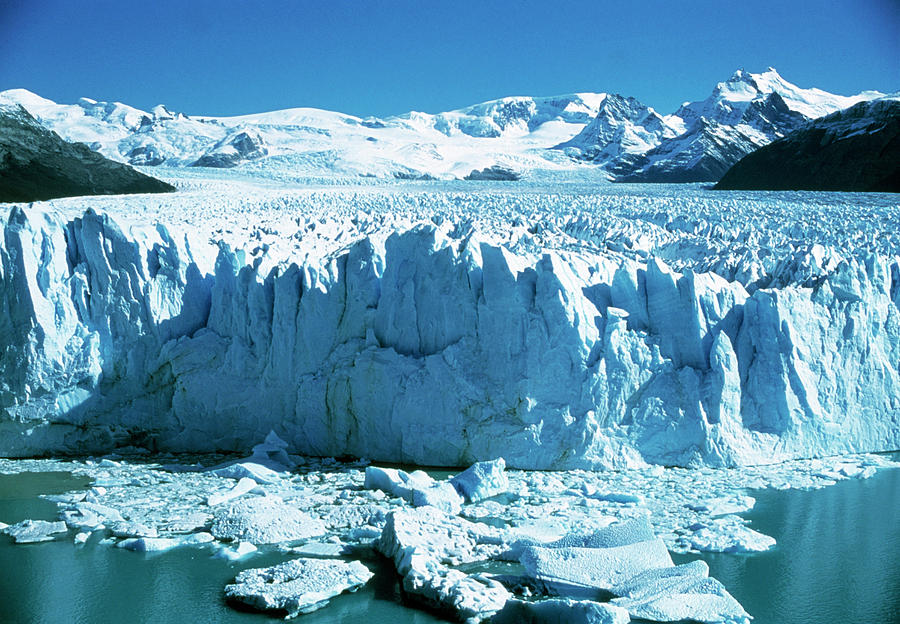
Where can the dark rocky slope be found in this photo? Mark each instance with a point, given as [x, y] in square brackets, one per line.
[36, 164]
[857, 149]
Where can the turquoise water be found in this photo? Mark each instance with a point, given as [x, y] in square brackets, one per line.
[837, 562]
[58, 583]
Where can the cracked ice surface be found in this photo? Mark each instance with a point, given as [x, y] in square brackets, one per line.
[558, 326]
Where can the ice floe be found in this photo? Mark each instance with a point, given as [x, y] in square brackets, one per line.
[264, 520]
[296, 586]
[33, 531]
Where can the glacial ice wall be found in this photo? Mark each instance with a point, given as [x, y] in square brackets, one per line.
[437, 347]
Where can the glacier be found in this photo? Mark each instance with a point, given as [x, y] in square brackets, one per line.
[425, 326]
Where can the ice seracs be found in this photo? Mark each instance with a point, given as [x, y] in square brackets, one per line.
[557, 355]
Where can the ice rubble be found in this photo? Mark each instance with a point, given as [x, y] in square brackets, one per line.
[577, 341]
[440, 557]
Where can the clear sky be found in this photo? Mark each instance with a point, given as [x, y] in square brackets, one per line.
[374, 57]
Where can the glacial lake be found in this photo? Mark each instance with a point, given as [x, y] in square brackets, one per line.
[837, 561]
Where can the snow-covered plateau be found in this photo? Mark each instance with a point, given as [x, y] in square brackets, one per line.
[559, 325]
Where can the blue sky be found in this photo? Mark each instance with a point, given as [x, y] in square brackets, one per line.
[373, 57]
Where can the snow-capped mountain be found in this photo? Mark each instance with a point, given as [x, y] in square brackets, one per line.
[627, 140]
[622, 126]
[36, 164]
[742, 114]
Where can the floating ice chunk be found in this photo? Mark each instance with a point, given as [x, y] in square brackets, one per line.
[384, 479]
[32, 531]
[257, 472]
[264, 520]
[560, 611]
[655, 581]
[87, 515]
[149, 544]
[677, 594]
[416, 487]
[321, 550]
[723, 505]
[245, 485]
[441, 495]
[297, 586]
[126, 528]
[623, 533]
[161, 544]
[599, 568]
[482, 480]
[867, 472]
[726, 534]
[619, 534]
[472, 598]
[81, 538]
[619, 497]
[234, 553]
[427, 531]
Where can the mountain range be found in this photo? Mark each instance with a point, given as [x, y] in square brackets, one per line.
[618, 136]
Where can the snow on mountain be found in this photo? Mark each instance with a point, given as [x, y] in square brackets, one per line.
[730, 99]
[510, 132]
[627, 139]
[36, 164]
[622, 126]
[741, 115]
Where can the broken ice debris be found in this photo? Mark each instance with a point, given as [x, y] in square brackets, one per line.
[233, 553]
[677, 594]
[32, 531]
[422, 542]
[127, 528]
[87, 515]
[264, 520]
[560, 611]
[724, 505]
[622, 533]
[272, 453]
[415, 487]
[725, 534]
[482, 480]
[245, 485]
[471, 598]
[252, 470]
[162, 544]
[592, 568]
[296, 586]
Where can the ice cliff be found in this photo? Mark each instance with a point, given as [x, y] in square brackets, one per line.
[437, 346]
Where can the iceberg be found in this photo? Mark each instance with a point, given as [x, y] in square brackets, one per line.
[482, 480]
